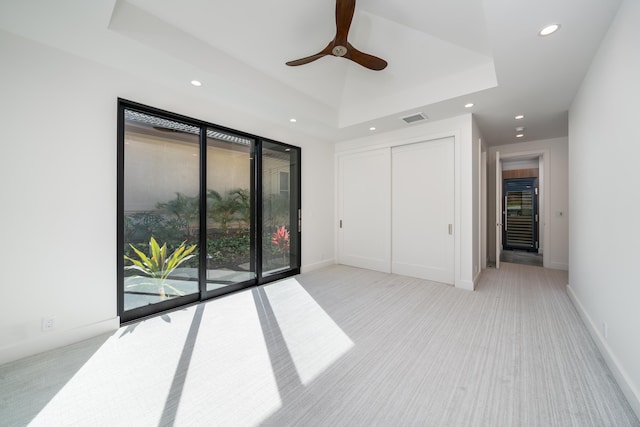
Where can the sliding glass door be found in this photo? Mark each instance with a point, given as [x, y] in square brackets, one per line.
[281, 219]
[203, 210]
[161, 197]
[230, 235]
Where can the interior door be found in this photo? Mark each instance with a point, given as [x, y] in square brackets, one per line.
[498, 209]
[423, 210]
[364, 208]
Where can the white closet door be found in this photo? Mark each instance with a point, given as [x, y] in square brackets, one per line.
[364, 209]
[423, 210]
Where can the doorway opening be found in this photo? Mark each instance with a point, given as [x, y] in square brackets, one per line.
[520, 234]
[520, 207]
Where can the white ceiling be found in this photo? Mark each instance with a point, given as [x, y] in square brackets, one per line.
[441, 53]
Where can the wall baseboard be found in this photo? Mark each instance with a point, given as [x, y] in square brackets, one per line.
[467, 285]
[622, 378]
[476, 279]
[557, 266]
[55, 339]
[317, 265]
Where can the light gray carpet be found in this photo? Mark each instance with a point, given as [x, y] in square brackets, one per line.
[336, 347]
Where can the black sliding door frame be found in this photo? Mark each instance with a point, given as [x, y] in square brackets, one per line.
[295, 219]
[255, 211]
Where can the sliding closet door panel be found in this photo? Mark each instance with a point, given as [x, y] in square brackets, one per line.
[423, 210]
[364, 210]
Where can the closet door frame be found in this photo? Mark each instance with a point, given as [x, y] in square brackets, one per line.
[458, 176]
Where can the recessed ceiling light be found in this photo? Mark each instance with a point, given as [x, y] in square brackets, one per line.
[519, 128]
[469, 105]
[292, 120]
[520, 135]
[372, 128]
[196, 83]
[520, 117]
[549, 29]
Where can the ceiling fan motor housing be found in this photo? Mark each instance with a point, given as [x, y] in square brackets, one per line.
[339, 51]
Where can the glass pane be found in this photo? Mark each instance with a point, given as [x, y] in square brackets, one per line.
[519, 218]
[279, 208]
[161, 205]
[229, 196]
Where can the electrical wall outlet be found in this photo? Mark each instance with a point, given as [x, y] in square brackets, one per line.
[48, 323]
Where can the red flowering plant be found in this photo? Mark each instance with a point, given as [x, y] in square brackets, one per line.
[281, 240]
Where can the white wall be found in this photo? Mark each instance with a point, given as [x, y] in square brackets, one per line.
[555, 239]
[58, 169]
[604, 149]
[465, 186]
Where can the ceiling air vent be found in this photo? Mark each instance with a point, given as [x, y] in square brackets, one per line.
[414, 118]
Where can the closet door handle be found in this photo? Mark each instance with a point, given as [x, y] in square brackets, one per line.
[450, 229]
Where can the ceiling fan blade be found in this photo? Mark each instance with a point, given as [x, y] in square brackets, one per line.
[324, 52]
[306, 60]
[368, 61]
[344, 16]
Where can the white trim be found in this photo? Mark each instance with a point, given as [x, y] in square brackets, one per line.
[317, 265]
[457, 212]
[624, 381]
[55, 339]
[466, 285]
[476, 279]
[484, 218]
[557, 265]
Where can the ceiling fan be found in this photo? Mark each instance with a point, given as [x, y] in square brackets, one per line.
[339, 46]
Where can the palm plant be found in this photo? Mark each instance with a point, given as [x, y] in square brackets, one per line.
[223, 209]
[186, 208]
[243, 199]
[158, 265]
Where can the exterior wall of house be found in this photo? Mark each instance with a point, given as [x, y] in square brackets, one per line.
[58, 168]
[603, 174]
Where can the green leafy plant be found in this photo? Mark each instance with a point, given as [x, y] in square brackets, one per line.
[158, 265]
[227, 207]
[229, 249]
[185, 208]
[243, 199]
[139, 226]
